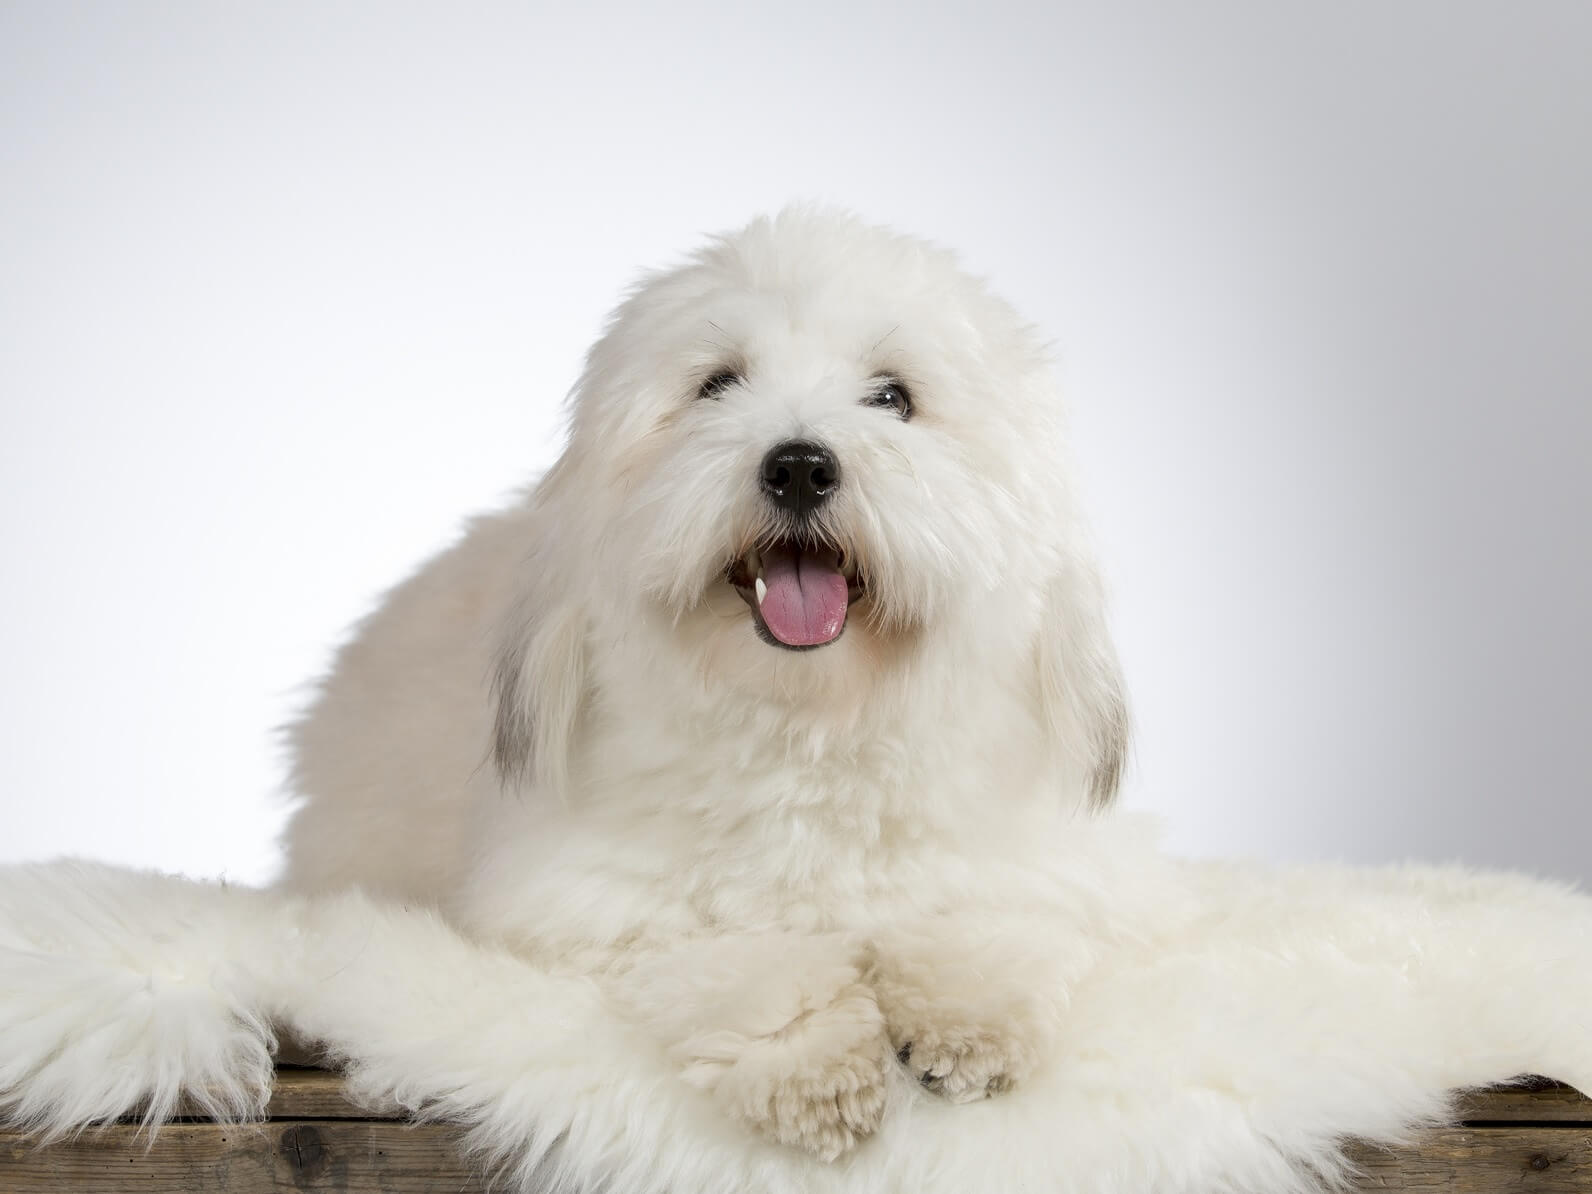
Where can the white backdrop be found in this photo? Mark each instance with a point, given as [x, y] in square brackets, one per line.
[287, 290]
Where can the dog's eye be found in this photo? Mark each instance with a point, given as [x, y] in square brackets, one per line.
[892, 395]
[718, 383]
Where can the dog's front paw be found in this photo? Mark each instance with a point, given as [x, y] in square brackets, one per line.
[959, 1032]
[962, 1062]
[780, 1029]
[819, 1083]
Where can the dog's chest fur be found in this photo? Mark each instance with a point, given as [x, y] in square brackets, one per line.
[714, 816]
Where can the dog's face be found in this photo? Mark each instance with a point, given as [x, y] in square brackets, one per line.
[803, 455]
[831, 427]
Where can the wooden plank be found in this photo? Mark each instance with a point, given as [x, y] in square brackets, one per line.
[316, 1094]
[1535, 1100]
[348, 1157]
[1533, 1136]
[387, 1157]
[1538, 1160]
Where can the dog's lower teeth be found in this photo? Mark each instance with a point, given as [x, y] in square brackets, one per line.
[762, 590]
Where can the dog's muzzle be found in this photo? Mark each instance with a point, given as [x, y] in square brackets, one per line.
[801, 586]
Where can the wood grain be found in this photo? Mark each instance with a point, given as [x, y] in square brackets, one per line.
[347, 1156]
[1536, 1160]
[317, 1094]
[1535, 1138]
[1537, 1100]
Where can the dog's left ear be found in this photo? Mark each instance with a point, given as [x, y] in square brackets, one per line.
[539, 686]
[1080, 682]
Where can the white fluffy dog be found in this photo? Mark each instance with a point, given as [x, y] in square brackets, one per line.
[800, 636]
[801, 703]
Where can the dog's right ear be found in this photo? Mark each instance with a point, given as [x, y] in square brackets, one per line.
[539, 686]
[1080, 681]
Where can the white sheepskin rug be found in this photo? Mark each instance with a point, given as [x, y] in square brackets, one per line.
[1233, 1025]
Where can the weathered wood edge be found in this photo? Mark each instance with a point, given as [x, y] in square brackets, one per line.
[1534, 1100]
[384, 1157]
[1542, 1159]
[1533, 1136]
[346, 1156]
[302, 1093]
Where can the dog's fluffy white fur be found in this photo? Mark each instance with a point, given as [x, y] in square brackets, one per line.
[653, 903]
[673, 775]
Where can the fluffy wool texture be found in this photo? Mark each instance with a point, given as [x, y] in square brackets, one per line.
[1235, 1025]
[588, 861]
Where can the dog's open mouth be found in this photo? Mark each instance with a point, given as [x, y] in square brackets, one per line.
[798, 592]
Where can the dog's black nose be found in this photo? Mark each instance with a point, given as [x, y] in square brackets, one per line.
[799, 475]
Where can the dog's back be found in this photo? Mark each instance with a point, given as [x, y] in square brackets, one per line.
[395, 748]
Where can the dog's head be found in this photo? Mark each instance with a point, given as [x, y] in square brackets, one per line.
[798, 463]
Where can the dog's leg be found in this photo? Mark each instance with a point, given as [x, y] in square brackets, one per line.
[969, 1016]
[781, 1030]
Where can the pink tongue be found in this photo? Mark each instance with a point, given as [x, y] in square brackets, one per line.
[806, 600]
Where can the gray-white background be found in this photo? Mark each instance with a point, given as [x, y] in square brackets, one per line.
[288, 289]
